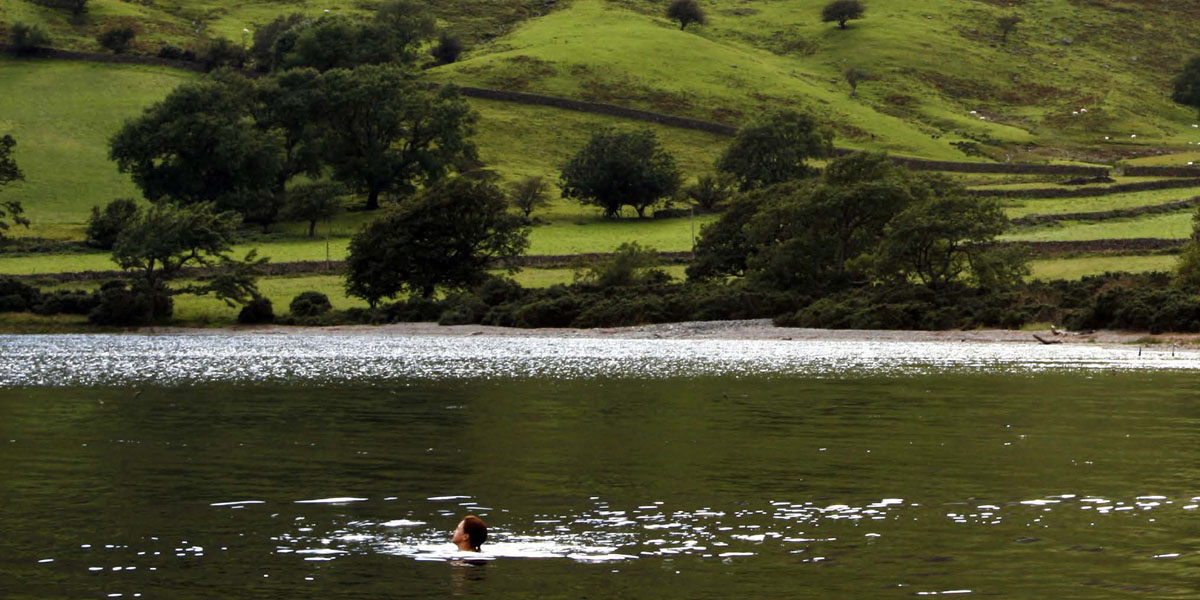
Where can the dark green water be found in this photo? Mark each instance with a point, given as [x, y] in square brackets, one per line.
[1053, 485]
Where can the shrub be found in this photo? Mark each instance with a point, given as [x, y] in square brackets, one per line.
[462, 309]
[631, 264]
[16, 296]
[104, 227]
[173, 52]
[447, 50]
[117, 39]
[69, 302]
[121, 304]
[710, 192]
[223, 53]
[412, 310]
[27, 38]
[310, 304]
[257, 310]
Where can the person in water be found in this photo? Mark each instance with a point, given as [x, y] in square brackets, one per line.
[470, 534]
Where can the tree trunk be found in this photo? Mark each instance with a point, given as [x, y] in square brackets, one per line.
[372, 199]
[841, 23]
[312, 228]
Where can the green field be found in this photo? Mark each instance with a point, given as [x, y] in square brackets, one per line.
[1056, 206]
[1077, 267]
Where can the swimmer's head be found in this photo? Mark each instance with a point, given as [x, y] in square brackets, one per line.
[470, 534]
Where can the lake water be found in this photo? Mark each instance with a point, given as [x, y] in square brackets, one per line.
[336, 467]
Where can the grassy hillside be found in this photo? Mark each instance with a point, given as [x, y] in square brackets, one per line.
[934, 62]
[62, 114]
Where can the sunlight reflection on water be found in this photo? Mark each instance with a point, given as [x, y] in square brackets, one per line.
[70, 360]
[807, 529]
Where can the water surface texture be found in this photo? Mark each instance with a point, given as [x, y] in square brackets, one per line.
[336, 466]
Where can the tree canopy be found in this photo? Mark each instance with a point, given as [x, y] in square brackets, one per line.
[686, 12]
[774, 149]
[385, 132]
[946, 236]
[864, 219]
[620, 168]
[156, 244]
[841, 11]
[237, 142]
[1187, 84]
[444, 236]
[9, 172]
[200, 145]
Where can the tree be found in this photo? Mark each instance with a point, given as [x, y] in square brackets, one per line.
[290, 106]
[854, 76]
[948, 236]
[620, 168]
[710, 192]
[312, 202]
[444, 236]
[528, 195]
[1006, 24]
[814, 234]
[385, 132]
[10, 172]
[200, 145]
[408, 24]
[686, 12]
[859, 195]
[335, 42]
[262, 51]
[117, 39]
[842, 11]
[1186, 273]
[447, 49]
[104, 227]
[157, 244]
[723, 247]
[1187, 84]
[775, 149]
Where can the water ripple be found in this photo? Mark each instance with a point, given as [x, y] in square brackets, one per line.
[72, 360]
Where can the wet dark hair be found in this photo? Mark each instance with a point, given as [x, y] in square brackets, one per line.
[476, 530]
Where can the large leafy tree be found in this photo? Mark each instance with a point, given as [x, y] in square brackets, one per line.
[814, 234]
[290, 105]
[444, 236]
[386, 132]
[156, 245]
[9, 172]
[947, 236]
[200, 145]
[1187, 84]
[620, 168]
[409, 25]
[334, 42]
[774, 149]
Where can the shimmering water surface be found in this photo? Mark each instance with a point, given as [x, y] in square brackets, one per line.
[335, 467]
